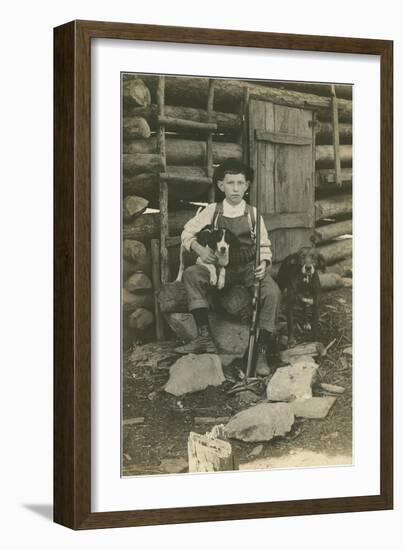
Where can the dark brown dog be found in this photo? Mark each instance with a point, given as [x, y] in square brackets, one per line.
[298, 274]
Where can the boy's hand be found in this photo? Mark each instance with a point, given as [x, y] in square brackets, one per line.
[207, 256]
[204, 252]
[260, 271]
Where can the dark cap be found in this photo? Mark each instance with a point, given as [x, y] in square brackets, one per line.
[232, 166]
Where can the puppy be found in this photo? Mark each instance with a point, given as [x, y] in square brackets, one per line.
[299, 275]
[220, 242]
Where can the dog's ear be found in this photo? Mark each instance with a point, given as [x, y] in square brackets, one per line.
[214, 237]
[204, 237]
[290, 261]
[287, 267]
[321, 263]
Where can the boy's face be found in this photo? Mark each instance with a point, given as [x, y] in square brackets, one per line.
[234, 187]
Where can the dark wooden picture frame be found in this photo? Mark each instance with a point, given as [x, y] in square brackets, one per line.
[72, 274]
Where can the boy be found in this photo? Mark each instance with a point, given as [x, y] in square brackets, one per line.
[233, 178]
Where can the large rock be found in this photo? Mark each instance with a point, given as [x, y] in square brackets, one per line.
[194, 373]
[230, 336]
[183, 325]
[261, 422]
[292, 382]
[315, 407]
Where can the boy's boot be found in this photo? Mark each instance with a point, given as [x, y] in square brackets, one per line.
[202, 344]
[262, 365]
[267, 350]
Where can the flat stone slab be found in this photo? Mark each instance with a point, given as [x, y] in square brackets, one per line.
[308, 349]
[261, 422]
[315, 407]
[192, 373]
[292, 382]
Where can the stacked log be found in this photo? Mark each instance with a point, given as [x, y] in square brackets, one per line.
[334, 205]
[226, 122]
[140, 180]
[182, 152]
[229, 95]
[137, 292]
[133, 207]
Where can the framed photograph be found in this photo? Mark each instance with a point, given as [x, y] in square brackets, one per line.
[222, 298]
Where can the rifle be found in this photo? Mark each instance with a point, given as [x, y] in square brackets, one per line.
[253, 329]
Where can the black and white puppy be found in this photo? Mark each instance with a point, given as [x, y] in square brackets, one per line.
[220, 242]
[298, 274]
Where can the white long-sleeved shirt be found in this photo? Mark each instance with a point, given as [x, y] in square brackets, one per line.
[205, 217]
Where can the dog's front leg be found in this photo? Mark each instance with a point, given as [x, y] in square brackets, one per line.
[213, 274]
[305, 315]
[181, 264]
[180, 275]
[315, 318]
[221, 278]
[212, 270]
[290, 305]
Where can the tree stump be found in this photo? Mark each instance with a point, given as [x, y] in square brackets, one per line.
[211, 452]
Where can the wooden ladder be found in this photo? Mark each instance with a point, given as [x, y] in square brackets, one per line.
[159, 248]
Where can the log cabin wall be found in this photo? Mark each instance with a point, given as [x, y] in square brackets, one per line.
[188, 177]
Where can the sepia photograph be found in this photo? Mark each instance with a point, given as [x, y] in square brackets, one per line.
[236, 274]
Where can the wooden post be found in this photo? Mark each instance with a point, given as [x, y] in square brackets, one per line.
[163, 198]
[336, 136]
[155, 269]
[209, 148]
[211, 452]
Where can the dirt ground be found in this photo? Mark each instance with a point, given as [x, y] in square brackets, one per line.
[156, 424]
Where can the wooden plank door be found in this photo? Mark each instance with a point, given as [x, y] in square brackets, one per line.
[282, 154]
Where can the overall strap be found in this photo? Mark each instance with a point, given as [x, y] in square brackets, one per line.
[217, 212]
[250, 212]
